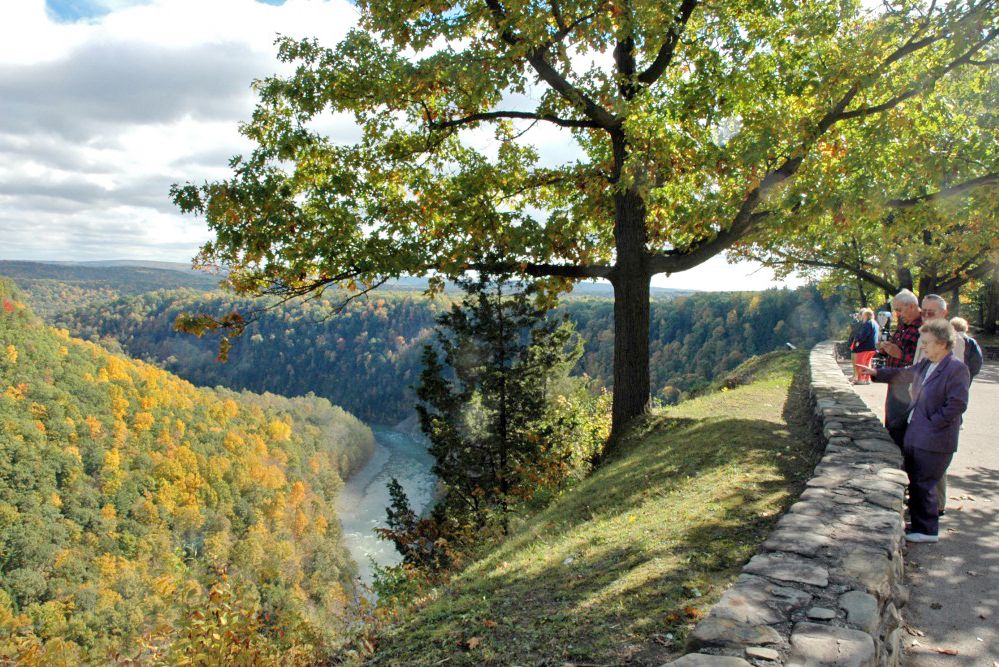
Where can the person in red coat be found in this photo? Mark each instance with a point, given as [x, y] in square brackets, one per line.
[939, 396]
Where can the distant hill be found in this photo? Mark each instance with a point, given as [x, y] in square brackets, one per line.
[182, 267]
[53, 287]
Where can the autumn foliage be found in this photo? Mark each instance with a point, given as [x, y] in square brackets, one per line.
[146, 521]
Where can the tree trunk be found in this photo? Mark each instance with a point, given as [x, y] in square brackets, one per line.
[631, 278]
[990, 305]
[954, 302]
[631, 350]
[904, 275]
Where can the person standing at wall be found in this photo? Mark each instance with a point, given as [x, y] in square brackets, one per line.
[899, 350]
[863, 345]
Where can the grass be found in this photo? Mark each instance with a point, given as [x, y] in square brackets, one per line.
[617, 570]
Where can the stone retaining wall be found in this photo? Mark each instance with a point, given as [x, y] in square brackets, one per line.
[826, 586]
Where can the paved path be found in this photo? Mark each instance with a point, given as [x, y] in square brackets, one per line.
[955, 583]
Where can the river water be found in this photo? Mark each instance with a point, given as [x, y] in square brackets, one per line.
[361, 505]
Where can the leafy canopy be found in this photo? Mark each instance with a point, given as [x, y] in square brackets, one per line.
[700, 112]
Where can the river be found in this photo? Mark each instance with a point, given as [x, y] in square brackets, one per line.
[361, 505]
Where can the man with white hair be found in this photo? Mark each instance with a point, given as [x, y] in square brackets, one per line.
[935, 307]
[900, 350]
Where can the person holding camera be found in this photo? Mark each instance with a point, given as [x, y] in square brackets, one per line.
[899, 351]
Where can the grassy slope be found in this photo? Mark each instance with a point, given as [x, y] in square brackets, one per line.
[616, 570]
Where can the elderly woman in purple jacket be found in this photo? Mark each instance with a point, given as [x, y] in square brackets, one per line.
[939, 394]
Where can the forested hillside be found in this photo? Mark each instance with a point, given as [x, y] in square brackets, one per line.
[54, 288]
[367, 357]
[144, 518]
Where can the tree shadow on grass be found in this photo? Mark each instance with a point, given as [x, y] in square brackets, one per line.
[616, 573]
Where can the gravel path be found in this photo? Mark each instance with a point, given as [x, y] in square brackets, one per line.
[955, 583]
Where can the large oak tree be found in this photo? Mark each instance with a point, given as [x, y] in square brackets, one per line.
[685, 124]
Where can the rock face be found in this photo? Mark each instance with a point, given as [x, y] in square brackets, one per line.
[827, 585]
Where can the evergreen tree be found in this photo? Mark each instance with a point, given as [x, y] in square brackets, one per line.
[485, 396]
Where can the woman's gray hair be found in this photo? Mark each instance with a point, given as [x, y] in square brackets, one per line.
[960, 324]
[941, 330]
[905, 297]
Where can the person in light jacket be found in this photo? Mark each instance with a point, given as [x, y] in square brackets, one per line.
[939, 396]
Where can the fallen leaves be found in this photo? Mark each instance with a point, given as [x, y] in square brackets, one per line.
[944, 651]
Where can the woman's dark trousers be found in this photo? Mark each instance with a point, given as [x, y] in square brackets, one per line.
[925, 469]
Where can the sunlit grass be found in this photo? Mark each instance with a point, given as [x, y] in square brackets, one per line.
[618, 569]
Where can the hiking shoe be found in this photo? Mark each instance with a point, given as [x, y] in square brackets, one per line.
[921, 537]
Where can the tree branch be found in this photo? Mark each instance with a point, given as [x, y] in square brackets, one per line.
[491, 115]
[953, 191]
[980, 271]
[668, 48]
[536, 58]
[964, 59]
[858, 271]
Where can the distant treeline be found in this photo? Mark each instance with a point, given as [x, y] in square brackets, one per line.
[134, 505]
[367, 358]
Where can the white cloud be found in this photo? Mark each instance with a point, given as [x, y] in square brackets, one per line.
[101, 116]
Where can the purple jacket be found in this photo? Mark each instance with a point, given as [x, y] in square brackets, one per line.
[938, 403]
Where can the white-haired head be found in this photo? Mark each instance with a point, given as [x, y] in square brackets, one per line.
[905, 298]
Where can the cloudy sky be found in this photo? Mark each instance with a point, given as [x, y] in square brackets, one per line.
[105, 103]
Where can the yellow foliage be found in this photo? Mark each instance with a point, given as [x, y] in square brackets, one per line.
[18, 393]
[63, 351]
[55, 499]
[120, 432]
[233, 441]
[280, 431]
[112, 459]
[96, 428]
[321, 524]
[11, 353]
[230, 407]
[143, 421]
[301, 523]
[297, 493]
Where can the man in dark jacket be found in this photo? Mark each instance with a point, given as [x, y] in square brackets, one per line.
[938, 397]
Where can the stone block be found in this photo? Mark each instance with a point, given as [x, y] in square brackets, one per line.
[715, 631]
[788, 568]
[871, 569]
[821, 614]
[756, 601]
[762, 653]
[861, 610]
[814, 645]
[707, 660]
[793, 540]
